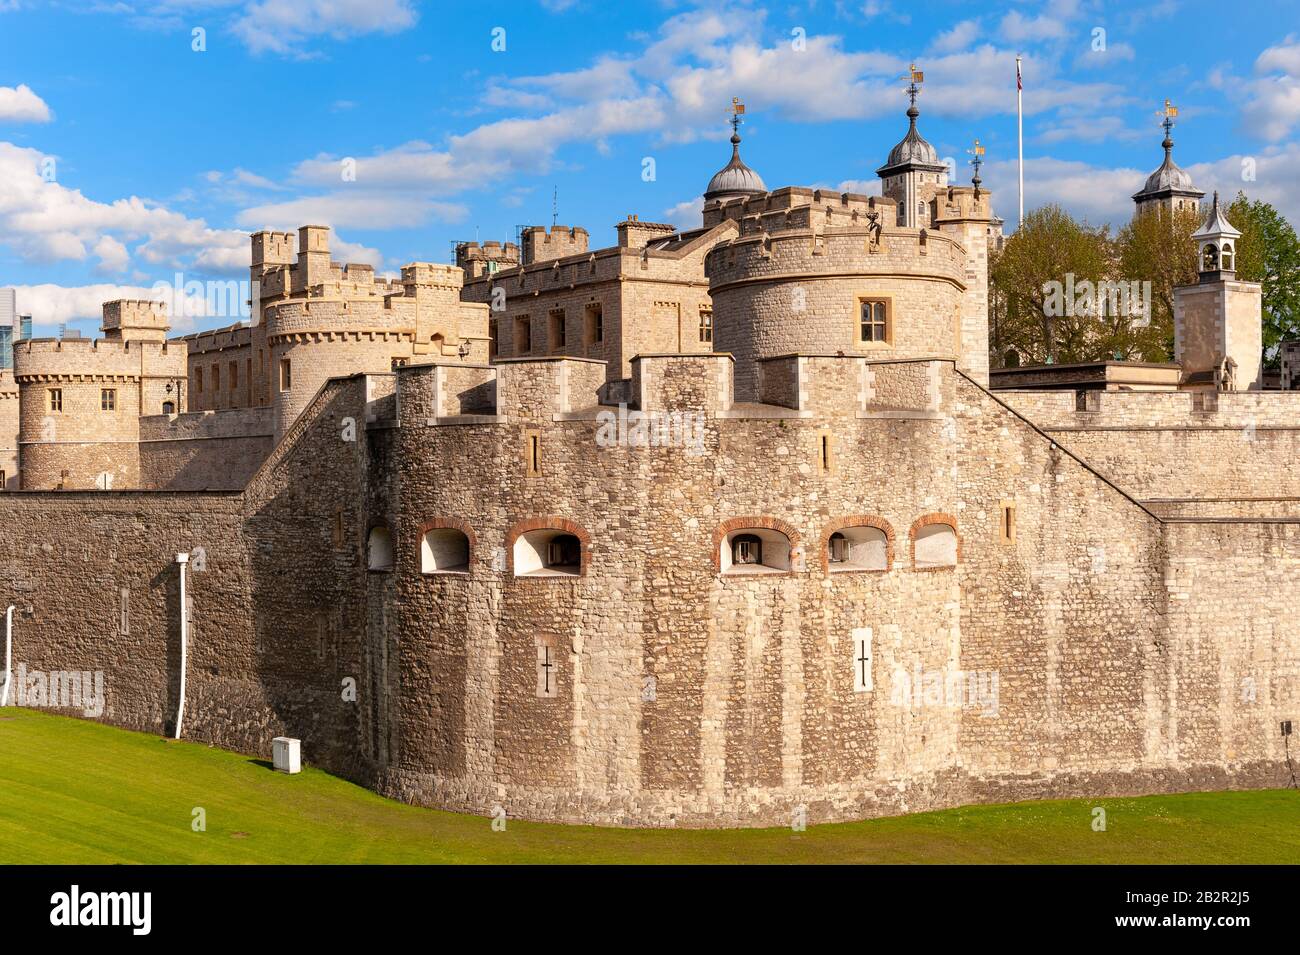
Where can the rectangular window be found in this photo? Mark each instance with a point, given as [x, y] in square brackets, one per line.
[108, 399]
[873, 320]
[532, 453]
[286, 375]
[1007, 527]
[706, 325]
[216, 378]
[4, 484]
[594, 324]
[825, 451]
[234, 375]
[523, 335]
[558, 336]
[493, 332]
[56, 399]
[198, 380]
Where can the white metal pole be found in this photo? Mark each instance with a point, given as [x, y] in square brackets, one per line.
[181, 561]
[1020, 137]
[9, 645]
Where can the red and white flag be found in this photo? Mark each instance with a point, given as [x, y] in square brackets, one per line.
[1019, 83]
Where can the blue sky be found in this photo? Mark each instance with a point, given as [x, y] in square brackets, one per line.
[126, 155]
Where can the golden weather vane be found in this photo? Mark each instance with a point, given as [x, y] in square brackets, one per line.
[735, 111]
[1166, 116]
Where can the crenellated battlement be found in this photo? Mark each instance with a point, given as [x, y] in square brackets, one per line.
[956, 203]
[238, 335]
[795, 385]
[477, 260]
[541, 244]
[85, 358]
[271, 249]
[805, 252]
[136, 319]
[803, 205]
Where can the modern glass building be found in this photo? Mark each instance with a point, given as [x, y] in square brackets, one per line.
[13, 327]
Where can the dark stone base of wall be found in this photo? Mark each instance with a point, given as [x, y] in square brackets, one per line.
[777, 808]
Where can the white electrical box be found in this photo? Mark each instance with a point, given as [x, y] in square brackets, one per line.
[285, 755]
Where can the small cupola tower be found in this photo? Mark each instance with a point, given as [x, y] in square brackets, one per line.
[1216, 246]
[1218, 322]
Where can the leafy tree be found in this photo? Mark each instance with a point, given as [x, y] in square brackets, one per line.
[1157, 247]
[1268, 252]
[1048, 253]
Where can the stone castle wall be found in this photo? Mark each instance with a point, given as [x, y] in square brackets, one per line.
[753, 711]
[1162, 445]
[8, 431]
[204, 450]
[685, 696]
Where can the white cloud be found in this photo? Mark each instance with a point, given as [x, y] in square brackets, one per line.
[1114, 53]
[1272, 108]
[686, 215]
[1094, 193]
[113, 255]
[56, 304]
[276, 26]
[958, 38]
[47, 221]
[359, 210]
[21, 105]
[282, 26]
[861, 187]
[1052, 24]
[1273, 169]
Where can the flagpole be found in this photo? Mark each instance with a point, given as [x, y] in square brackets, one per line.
[1020, 137]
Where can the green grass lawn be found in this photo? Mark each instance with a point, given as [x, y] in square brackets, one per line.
[78, 792]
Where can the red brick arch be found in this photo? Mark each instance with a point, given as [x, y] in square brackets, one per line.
[859, 520]
[740, 523]
[925, 520]
[548, 523]
[449, 523]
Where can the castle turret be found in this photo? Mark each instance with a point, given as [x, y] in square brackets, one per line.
[541, 244]
[81, 400]
[486, 259]
[139, 320]
[814, 273]
[913, 173]
[1218, 324]
[1169, 187]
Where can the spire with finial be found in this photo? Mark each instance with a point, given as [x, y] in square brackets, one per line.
[1216, 244]
[1169, 112]
[1169, 185]
[735, 179]
[976, 160]
[914, 79]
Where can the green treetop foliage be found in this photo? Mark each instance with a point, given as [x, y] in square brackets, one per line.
[1040, 283]
[1268, 252]
[1157, 247]
[1049, 246]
